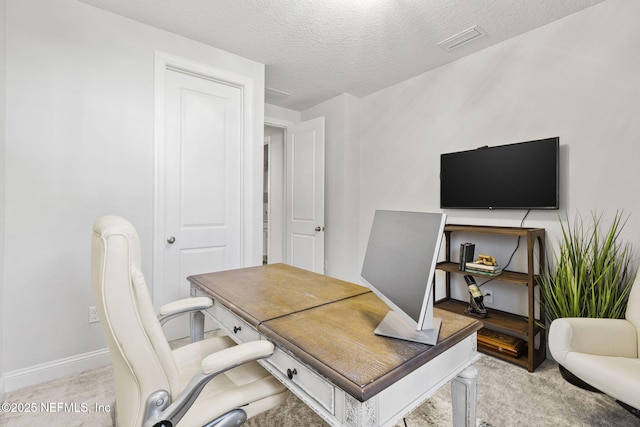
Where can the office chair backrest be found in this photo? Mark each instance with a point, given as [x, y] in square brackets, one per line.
[141, 356]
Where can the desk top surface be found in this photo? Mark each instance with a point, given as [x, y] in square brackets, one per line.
[328, 324]
[258, 294]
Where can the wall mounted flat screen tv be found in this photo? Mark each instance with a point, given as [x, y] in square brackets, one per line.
[514, 176]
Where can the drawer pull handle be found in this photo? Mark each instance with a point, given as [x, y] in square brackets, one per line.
[291, 373]
[236, 329]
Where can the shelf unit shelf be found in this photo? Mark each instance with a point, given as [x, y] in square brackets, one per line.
[505, 276]
[522, 360]
[523, 327]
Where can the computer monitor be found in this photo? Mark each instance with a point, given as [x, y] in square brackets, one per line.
[399, 266]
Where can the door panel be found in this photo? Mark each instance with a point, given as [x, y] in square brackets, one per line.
[303, 251]
[202, 160]
[303, 176]
[305, 195]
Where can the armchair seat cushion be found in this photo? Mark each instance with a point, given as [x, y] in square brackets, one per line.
[619, 377]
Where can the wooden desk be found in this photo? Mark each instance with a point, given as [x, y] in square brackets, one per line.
[327, 353]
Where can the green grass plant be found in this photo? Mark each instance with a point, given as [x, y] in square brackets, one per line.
[593, 271]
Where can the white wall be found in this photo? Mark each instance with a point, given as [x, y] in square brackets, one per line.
[3, 5]
[341, 183]
[279, 115]
[577, 78]
[79, 145]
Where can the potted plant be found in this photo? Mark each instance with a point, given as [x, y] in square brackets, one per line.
[593, 273]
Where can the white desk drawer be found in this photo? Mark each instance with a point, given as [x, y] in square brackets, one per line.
[296, 372]
[238, 329]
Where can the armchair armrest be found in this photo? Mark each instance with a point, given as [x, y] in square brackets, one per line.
[187, 305]
[159, 405]
[604, 337]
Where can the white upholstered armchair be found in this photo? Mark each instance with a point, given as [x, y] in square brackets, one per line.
[208, 382]
[604, 353]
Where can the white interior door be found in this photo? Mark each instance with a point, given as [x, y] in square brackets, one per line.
[305, 195]
[202, 181]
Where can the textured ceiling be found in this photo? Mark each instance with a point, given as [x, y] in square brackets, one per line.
[317, 49]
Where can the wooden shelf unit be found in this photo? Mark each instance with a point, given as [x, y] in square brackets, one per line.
[523, 327]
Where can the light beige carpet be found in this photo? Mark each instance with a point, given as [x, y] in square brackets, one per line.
[507, 396]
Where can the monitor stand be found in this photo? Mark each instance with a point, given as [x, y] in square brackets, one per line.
[394, 326]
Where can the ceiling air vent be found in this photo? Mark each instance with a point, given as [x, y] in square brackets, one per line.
[462, 38]
[276, 93]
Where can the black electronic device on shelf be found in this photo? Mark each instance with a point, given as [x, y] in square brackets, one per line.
[467, 251]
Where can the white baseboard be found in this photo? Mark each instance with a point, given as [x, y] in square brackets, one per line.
[37, 374]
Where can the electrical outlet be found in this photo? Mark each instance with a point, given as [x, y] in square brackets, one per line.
[488, 297]
[93, 315]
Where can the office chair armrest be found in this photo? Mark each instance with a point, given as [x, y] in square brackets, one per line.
[158, 407]
[183, 306]
[194, 306]
[231, 357]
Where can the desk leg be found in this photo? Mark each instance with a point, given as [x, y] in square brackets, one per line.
[197, 321]
[197, 326]
[463, 397]
[361, 413]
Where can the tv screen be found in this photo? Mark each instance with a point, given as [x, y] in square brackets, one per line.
[514, 176]
[400, 262]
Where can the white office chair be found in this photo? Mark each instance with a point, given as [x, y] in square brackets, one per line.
[209, 382]
[604, 353]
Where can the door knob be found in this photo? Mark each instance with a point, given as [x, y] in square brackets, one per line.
[319, 229]
[171, 240]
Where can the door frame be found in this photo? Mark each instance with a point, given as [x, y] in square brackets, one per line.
[248, 239]
[284, 125]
